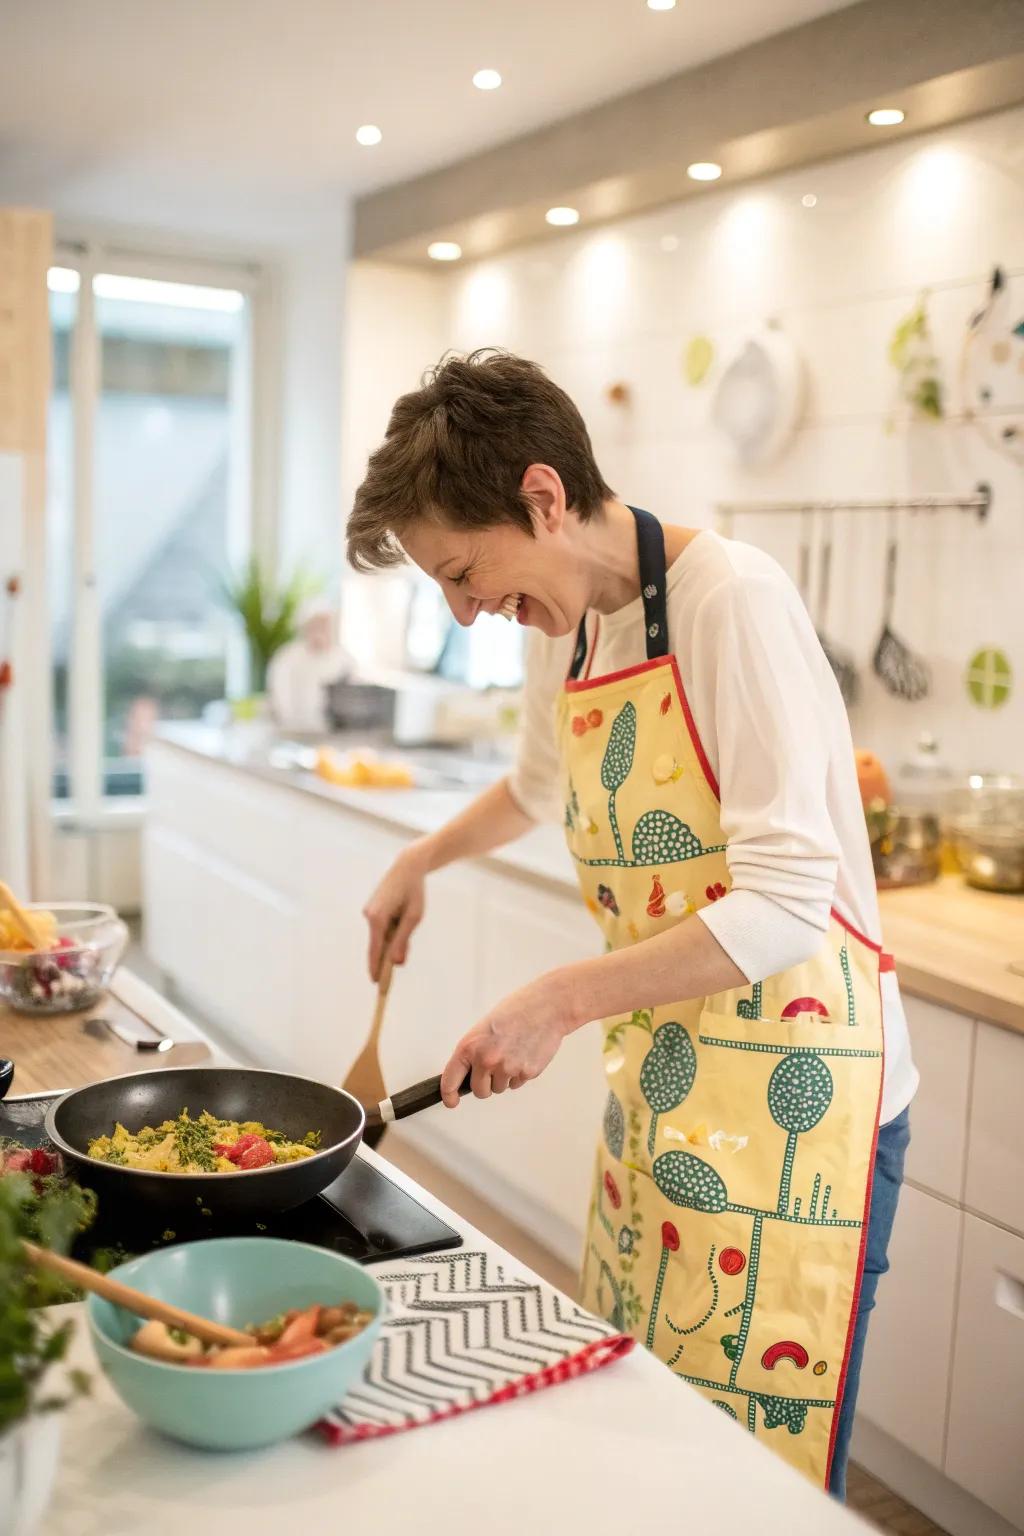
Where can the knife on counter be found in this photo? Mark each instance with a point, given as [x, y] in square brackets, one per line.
[155, 1042]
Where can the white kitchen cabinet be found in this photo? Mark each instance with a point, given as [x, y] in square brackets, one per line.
[942, 1043]
[987, 1404]
[228, 939]
[905, 1381]
[251, 825]
[530, 1151]
[995, 1156]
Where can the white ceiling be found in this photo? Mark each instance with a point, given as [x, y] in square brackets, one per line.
[238, 116]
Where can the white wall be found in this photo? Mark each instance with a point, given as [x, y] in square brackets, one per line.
[312, 313]
[620, 304]
[395, 330]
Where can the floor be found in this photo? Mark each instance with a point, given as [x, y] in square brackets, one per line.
[883, 1509]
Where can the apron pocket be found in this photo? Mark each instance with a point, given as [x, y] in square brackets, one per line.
[803, 1028]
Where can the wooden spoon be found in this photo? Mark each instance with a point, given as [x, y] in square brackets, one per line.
[365, 1078]
[23, 919]
[135, 1301]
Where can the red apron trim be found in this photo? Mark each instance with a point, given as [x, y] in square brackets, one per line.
[580, 685]
[863, 938]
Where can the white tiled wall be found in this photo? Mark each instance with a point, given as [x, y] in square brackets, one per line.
[620, 303]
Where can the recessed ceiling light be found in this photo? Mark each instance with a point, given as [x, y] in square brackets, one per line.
[886, 117]
[444, 250]
[487, 79]
[809, 200]
[563, 216]
[704, 170]
[661, 5]
[368, 135]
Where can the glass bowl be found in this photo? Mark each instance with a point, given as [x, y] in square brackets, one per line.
[985, 823]
[73, 973]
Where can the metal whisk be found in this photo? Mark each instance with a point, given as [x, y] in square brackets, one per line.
[905, 674]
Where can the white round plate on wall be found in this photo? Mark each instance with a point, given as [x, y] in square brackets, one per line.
[759, 397]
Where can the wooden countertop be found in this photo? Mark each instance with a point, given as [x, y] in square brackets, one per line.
[61, 1052]
[956, 946]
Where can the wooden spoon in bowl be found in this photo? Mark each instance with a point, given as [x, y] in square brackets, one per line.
[135, 1301]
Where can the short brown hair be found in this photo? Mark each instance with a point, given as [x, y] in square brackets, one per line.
[458, 447]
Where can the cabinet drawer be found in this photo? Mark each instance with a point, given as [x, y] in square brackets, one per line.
[987, 1403]
[995, 1154]
[942, 1042]
[905, 1380]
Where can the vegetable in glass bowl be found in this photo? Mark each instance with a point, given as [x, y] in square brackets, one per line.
[88, 940]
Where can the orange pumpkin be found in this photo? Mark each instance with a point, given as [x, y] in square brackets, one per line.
[872, 779]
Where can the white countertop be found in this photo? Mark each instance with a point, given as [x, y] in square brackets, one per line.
[628, 1448]
[541, 854]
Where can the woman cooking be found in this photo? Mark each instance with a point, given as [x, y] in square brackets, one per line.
[681, 720]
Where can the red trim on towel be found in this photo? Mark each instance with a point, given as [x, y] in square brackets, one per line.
[598, 1353]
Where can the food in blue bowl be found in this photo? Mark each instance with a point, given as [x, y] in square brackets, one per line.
[316, 1316]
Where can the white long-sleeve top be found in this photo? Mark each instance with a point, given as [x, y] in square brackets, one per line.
[772, 722]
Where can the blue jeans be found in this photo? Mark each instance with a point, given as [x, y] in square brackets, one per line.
[893, 1140]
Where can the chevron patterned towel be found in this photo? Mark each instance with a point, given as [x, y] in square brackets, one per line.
[461, 1334]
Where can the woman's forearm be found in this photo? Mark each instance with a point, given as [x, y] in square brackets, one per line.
[490, 821]
[686, 961]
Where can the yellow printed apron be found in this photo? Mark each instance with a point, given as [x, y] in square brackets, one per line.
[731, 1192]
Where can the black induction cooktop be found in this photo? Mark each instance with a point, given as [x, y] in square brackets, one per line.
[363, 1214]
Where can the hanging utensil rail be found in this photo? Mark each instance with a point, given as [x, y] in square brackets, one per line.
[979, 501]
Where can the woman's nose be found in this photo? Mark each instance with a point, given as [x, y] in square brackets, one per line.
[464, 608]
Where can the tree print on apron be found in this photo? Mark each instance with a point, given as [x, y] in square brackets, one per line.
[732, 1179]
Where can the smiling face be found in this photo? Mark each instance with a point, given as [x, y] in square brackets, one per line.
[482, 570]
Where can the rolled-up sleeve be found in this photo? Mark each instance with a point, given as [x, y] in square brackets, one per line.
[755, 661]
[533, 782]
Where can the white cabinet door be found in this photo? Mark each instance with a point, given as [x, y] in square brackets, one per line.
[942, 1043]
[230, 943]
[531, 1151]
[995, 1155]
[343, 858]
[905, 1381]
[987, 1405]
[250, 825]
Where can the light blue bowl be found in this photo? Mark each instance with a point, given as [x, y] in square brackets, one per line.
[236, 1280]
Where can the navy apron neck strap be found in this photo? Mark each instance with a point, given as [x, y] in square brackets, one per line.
[650, 548]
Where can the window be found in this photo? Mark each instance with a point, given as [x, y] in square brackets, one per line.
[149, 457]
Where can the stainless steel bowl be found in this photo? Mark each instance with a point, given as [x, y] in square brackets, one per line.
[985, 824]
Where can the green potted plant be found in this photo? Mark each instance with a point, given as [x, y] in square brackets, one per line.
[34, 1383]
[268, 609]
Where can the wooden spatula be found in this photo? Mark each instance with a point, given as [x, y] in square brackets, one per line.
[135, 1301]
[365, 1078]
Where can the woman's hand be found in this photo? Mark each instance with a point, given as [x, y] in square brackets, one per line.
[514, 1042]
[399, 900]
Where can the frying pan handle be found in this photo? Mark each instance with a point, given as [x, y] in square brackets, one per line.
[6, 1074]
[409, 1101]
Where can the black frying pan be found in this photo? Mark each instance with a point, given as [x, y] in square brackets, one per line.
[290, 1104]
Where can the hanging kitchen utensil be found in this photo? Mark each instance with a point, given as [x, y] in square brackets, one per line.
[365, 1078]
[839, 659]
[904, 674]
[759, 398]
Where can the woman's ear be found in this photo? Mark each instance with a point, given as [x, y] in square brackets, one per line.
[542, 487]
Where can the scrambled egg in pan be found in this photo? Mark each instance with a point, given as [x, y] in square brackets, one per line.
[203, 1145]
